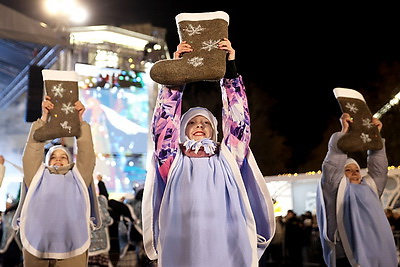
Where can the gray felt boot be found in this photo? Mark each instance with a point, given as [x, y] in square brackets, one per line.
[206, 62]
[362, 134]
[63, 120]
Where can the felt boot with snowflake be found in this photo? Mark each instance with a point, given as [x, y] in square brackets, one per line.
[63, 119]
[203, 31]
[362, 134]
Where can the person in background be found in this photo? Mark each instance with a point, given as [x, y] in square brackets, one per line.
[100, 238]
[57, 197]
[10, 245]
[119, 229]
[136, 235]
[390, 217]
[205, 203]
[293, 239]
[354, 230]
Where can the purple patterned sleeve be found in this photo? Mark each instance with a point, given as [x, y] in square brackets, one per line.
[235, 118]
[165, 127]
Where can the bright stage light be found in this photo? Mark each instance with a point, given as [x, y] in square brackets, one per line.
[80, 15]
[67, 10]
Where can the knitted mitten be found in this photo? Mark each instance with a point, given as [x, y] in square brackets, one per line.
[63, 120]
[362, 134]
[203, 31]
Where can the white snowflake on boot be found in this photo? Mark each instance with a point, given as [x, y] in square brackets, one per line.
[58, 90]
[67, 108]
[191, 30]
[365, 138]
[367, 123]
[352, 107]
[195, 61]
[210, 45]
[65, 126]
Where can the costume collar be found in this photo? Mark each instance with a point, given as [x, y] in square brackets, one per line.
[208, 145]
[60, 170]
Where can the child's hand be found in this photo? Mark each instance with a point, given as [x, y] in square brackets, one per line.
[47, 105]
[80, 108]
[1, 160]
[377, 123]
[345, 121]
[181, 49]
[226, 45]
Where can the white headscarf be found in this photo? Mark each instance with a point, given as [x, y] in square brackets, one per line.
[193, 112]
[54, 148]
[351, 161]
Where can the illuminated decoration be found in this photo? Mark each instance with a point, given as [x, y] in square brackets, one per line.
[393, 102]
[106, 58]
[117, 108]
[107, 78]
[154, 52]
[110, 34]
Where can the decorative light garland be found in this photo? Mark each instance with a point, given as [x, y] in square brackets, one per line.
[394, 101]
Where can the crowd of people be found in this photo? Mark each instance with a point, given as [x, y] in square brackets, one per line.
[296, 242]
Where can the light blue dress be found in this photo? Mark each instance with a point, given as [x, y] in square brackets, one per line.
[206, 210]
[350, 216]
[56, 214]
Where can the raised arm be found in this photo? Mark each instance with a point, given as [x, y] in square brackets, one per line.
[335, 159]
[85, 157]
[165, 127]
[235, 113]
[377, 163]
[33, 154]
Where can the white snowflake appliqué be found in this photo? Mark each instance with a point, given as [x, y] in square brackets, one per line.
[191, 30]
[195, 61]
[65, 126]
[367, 123]
[58, 90]
[67, 108]
[352, 107]
[365, 138]
[210, 45]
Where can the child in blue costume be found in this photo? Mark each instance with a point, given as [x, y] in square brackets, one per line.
[354, 229]
[205, 203]
[58, 199]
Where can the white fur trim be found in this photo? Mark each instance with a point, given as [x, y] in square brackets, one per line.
[147, 212]
[346, 92]
[59, 75]
[340, 221]
[202, 16]
[250, 220]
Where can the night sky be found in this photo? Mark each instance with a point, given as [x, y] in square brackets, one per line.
[293, 55]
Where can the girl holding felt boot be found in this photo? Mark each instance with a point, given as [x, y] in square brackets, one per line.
[205, 203]
[354, 227]
[58, 195]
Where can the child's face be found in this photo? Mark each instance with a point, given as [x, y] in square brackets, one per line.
[353, 173]
[198, 127]
[59, 158]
